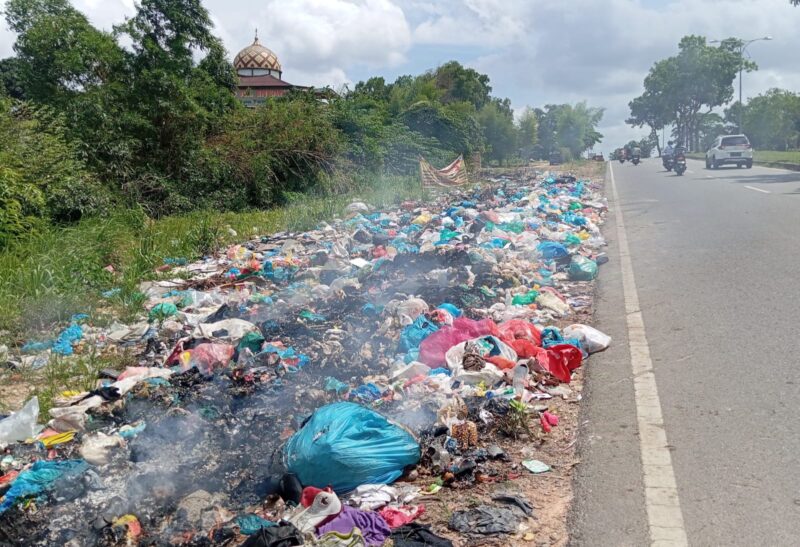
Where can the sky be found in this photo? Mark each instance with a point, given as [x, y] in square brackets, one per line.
[536, 52]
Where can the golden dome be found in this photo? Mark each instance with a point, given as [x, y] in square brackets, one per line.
[256, 56]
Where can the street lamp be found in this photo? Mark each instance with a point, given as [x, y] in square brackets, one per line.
[742, 47]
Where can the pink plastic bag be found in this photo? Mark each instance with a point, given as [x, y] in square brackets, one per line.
[433, 348]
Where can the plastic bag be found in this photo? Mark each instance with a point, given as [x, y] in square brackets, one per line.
[591, 339]
[517, 329]
[498, 355]
[345, 445]
[228, 329]
[559, 361]
[551, 250]
[20, 425]
[582, 268]
[432, 350]
[413, 335]
[552, 302]
[41, 477]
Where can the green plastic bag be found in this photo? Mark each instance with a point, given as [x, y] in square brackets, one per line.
[252, 341]
[162, 311]
[582, 269]
[572, 240]
[525, 299]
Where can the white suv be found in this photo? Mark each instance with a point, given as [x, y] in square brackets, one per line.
[730, 149]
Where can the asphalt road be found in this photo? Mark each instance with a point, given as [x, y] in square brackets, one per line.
[716, 259]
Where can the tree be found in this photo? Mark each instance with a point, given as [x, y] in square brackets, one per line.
[175, 103]
[569, 127]
[527, 127]
[679, 87]
[651, 110]
[459, 83]
[11, 84]
[60, 54]
[772, 120]
[497, 122]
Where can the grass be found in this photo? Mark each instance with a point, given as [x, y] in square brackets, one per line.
[765, 156]
[773, 156]
[47, 278]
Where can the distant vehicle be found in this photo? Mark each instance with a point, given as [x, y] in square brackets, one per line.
[636, 155]
[680, 161]
[556, 158]
[620, 155]
[599, 157]
[730, 150]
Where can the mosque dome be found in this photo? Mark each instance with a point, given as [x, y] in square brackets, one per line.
[257, 60]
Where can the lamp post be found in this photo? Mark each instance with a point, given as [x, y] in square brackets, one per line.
[742, 48]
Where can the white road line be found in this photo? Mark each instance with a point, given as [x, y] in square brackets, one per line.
[758, 189]
[664, 514]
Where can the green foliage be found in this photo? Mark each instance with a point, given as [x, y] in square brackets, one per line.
[11, 78]
[497, 121]
[287, 145]
[573, 127]
[771, 121]
[41, 175]
[155, 125]
[679, 87]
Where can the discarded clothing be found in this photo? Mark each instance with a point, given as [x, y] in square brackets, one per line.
[282, 535]
[400, 516]
[417, 535]
[372, 526]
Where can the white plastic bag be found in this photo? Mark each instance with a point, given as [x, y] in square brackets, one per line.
[592, 340]
[20, 425]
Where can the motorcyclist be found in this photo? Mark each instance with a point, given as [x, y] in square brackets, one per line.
[669, 151]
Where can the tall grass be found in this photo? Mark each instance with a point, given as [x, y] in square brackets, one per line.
[48, 277]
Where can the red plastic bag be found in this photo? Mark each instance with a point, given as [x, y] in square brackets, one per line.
[433, 348]
[572, 356]
[517, 329]
[525, 348]
[554, 363]
[501, 362]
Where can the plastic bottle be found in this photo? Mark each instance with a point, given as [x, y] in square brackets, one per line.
[520, 379]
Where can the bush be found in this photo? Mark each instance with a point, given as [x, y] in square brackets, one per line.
[42, 175]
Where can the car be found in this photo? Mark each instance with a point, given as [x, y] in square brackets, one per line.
[730, 150]
[599, 157]
[555, 158]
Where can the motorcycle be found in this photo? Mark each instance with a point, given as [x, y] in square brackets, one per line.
[680, 164]
[635, 160]
[669, 162]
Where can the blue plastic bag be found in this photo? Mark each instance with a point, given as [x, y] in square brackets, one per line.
[40, 478]
[552, 250]
[345, 445]
[413, 335]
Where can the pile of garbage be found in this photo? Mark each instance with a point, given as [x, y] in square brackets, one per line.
[321, 387]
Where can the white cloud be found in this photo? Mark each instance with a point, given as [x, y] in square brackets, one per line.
[535, 51]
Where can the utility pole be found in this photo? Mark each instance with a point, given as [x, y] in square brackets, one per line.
[742, 48]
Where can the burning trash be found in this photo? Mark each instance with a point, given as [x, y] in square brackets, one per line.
[323, 387]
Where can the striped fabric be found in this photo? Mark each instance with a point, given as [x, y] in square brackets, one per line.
[454, 174]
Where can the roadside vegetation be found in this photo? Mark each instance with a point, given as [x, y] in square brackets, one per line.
[692, 93]
[113, 159]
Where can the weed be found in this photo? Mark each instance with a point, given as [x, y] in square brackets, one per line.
[515, 422]
[48, 277]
